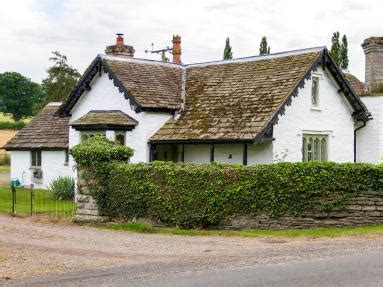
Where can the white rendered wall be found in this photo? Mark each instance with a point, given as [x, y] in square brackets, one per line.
[52, 166]
[256, 153]
[333, 117]
[105, 96]
[369, 144]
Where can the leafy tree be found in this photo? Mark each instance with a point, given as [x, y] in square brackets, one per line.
[343, 62]
[263, 48]
[227, 52]
[61, 78]
[335, 47]
[19, 96]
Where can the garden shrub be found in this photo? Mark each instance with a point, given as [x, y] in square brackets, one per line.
[191, 195]
[62, 188]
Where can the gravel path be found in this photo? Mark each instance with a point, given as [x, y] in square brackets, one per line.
[29, 248]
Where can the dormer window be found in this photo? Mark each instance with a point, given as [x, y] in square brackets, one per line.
[315, 92]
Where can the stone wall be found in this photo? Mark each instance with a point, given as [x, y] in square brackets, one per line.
[87, 210]
[364, 209]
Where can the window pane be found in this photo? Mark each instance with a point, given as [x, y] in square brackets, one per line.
[310, 149]
[314, 91]
[324, 150]
[316, 149]
[304, 149]
[120, 138]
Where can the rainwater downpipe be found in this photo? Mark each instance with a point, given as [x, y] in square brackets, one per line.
[355, 130]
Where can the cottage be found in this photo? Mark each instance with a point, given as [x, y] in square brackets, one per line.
[290, 106]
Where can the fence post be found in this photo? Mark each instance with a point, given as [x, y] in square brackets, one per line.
[32, 199]
[13, 199]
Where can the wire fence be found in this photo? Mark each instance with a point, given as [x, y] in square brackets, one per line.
[35, 202]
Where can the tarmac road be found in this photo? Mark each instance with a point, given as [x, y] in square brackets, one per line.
[365, 269]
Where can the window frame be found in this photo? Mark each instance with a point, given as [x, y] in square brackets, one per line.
[36, 158]
[315, 91]
[118, 133]
[90, 133]
[316, 153]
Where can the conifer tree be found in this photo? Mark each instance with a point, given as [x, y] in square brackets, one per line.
[227, 52]
[263, 48]
[335, 47]
[343, 61]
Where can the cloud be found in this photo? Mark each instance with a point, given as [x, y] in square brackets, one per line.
[31, 29]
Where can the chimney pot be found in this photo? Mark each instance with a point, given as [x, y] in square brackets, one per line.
[373, 50]
[120, 49]
[176, 51]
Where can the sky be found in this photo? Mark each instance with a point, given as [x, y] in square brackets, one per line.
[31, 29]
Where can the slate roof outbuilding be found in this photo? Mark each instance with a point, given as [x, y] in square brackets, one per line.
[356, 84]
[45, 131]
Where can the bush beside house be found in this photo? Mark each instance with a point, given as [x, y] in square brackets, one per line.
[190, 195]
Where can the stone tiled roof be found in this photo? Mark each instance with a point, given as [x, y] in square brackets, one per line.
[104, 119]
[45, 131]
[152, 85]
[235, 101]
[356, 84]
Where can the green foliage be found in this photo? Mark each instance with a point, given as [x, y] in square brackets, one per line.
[62, 188]
[99, 149]
[12, 125]
[335, 47]
[61, 79]
[19, 96]
[227, 52]
[190, 195]
[343, 61]
[263, 48]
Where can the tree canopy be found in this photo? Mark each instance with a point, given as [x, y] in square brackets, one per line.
[339, 51]
[19, 96]
[263, 48]
[61, 78]
[227, 52]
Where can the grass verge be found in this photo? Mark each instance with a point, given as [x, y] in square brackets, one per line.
[292, 233]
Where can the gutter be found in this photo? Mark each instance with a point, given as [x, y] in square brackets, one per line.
[355, 130]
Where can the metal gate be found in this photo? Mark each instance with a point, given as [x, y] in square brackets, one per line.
[27, 201]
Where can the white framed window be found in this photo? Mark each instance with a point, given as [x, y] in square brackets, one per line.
[315, 92]
[88, 134]
[315, 148]
[36, 158]
[120, 137]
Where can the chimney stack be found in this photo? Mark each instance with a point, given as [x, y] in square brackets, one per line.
[373, 49]
[120, 49]
[176, 51]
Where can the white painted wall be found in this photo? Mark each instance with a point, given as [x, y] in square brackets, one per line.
[105, 96]
[198, 153]
[369, 144]
[260, 153]
[52, 165]
[333, 117]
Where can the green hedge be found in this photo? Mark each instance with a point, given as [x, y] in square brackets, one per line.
[191, 195]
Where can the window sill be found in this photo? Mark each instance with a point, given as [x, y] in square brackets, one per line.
[35, 167]
[318, 109]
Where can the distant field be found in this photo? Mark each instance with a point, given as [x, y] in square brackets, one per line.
[6, 122]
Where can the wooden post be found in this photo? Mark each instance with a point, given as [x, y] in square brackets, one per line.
[182, 152]
[211, 152]
[13, 199]
[244, 154]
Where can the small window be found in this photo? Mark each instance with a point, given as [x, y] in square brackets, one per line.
[88, 134]
[120, 138]
[315, 92]
[66, 157]
[314, 148]
[36, 158]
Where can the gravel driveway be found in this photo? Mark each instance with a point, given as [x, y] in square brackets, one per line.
[29, 248]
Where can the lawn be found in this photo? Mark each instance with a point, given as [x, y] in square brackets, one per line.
[289, 233]
[44, 203]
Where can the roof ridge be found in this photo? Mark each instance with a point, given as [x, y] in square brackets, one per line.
[215, 62]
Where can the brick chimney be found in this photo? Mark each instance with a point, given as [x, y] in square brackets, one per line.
[176, 51]
[120, 49]
[373, 49]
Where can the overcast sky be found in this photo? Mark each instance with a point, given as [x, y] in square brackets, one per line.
[31, 29]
